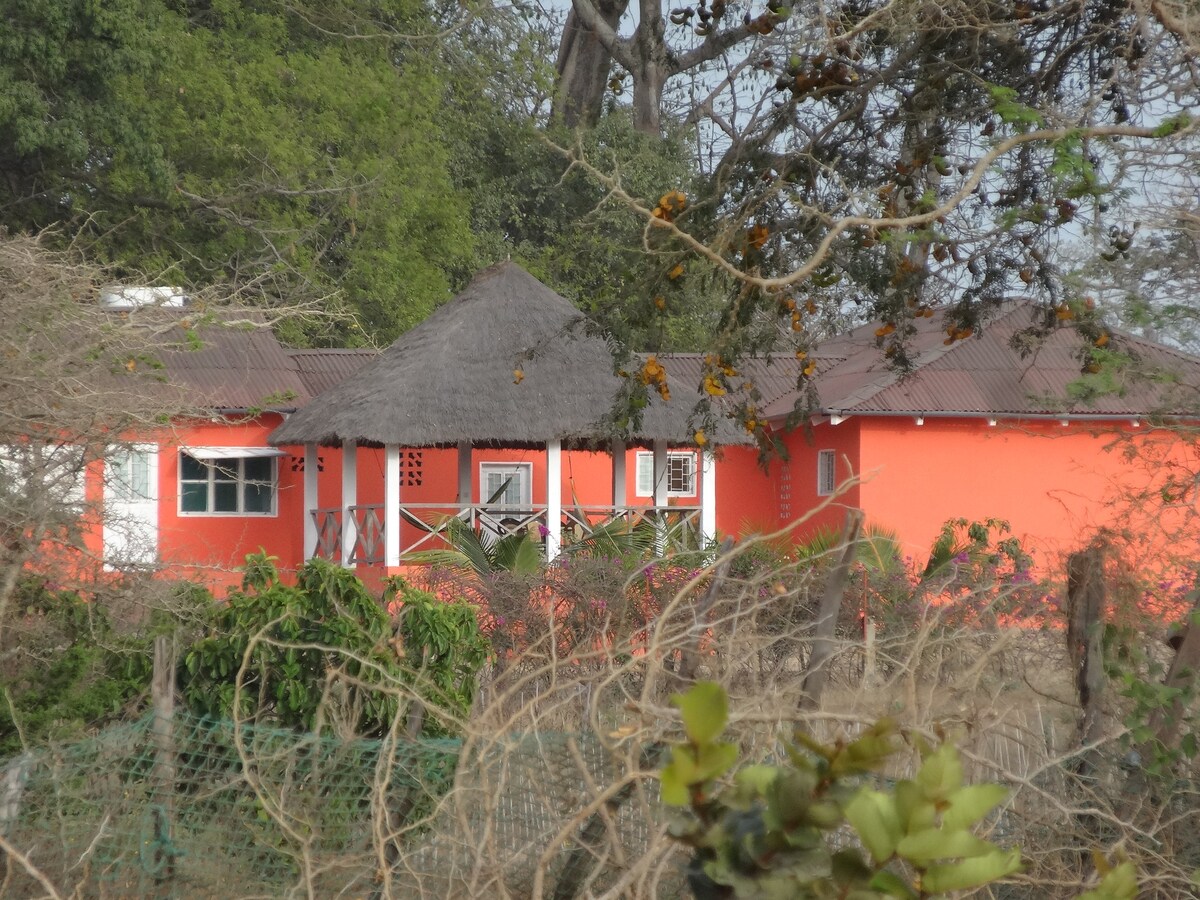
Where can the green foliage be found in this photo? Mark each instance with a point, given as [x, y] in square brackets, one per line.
[234, 142]
[443, 647]
[66, 666]
[568, 231]
[326, 647]
[769, 833]
[516, 553]
[976, 545]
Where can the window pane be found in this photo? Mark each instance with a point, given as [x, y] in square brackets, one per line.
[645, 475]
[225, 469]
[257, 469]
[257, 498]
[225, 496]
[191, 469]
[194, 497]
[681, 474]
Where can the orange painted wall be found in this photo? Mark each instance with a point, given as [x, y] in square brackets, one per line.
[1057, 486]
[803, 447]
[211, 547]
[749, 497]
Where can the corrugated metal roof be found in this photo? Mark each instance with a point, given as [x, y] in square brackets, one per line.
[985, 375]
[322, 369]
[772, 378]
[235, 368]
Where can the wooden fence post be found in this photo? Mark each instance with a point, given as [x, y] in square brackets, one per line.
[1085, 634]
[817, 672]
[162, 694]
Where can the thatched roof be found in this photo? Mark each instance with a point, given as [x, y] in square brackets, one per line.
[451, 378]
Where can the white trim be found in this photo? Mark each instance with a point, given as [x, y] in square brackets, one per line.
[708, 499]
[312, 464]
[391, 505]
[349, 501]
[207, 453]
[826, 472]
[619, 487]
[553, 499]
[129, 529]
[644, 473]
[464, 472]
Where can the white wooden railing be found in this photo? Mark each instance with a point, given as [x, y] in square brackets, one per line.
[674, 527]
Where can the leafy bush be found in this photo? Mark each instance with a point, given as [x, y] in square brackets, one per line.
[778, 830]
[326, 649]
[65, 667]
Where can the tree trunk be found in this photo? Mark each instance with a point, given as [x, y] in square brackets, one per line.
[583, 68]
[647, 98]
[1085, 633]
[817, 672]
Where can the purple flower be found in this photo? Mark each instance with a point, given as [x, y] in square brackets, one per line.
[962, 557]
[543, 531]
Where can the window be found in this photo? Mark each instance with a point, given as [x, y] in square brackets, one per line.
[681, 474]
[227, 485]
[129, 474]
[42, 476]
[826, 472]
[505, 484]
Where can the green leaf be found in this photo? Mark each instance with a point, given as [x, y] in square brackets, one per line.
[673, 787]
[704, 709]
[938, 843]
[873, 815]
[971, 873]
[757, 778]
[941, 773]
[892, 885]
[970, 804]
[714, 760]
[915, 811]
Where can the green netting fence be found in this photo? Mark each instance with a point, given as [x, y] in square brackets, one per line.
[211, 811]
[120, 817]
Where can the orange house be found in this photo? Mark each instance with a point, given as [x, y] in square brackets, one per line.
[497, 411]
[978, 430]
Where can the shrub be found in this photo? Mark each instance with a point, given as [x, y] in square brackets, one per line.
[325, 648]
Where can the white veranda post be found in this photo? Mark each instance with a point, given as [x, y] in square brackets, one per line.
[349, 501]
[708, 499]
[310, 500]
[618, 476]
[391, 505]
[661, 486]
[553, 499]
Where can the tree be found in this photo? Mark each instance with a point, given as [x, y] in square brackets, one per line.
[891, 157]
[292, 150]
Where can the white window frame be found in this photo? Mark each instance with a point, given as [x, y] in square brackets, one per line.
[826, 472]
[644, 478]
[526, 483]
[236, 462]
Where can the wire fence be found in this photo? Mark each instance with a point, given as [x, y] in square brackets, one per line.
[226, 814]
[249, 811]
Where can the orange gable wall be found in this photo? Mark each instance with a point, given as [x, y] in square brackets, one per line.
[803, 447]
[1057, 486]
[749, 497]
[211, 547]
